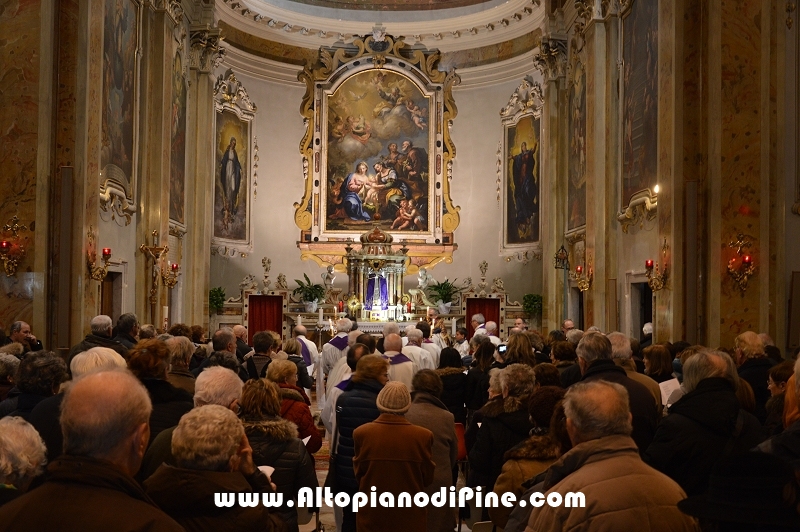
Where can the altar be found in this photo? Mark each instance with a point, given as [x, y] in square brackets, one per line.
[375, 278]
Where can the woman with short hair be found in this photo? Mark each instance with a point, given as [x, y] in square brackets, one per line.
[295, 404]
[657, 363]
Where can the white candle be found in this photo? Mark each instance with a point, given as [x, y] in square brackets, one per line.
[320, 316]
[453, 323]
[299, 319]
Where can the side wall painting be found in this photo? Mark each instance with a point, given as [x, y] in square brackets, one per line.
[119, 138]
[234, 153]
[177, 179]
[378, 142]
[576, 191]
[640, 99]
[522, 171]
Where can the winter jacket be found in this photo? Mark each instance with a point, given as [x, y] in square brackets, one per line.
[756, 372]
[643, 408]
[355, 407]
[454, 392]
[275, 444]
[477, 392]
[188, 496]
[523, 461]
[295, 407]
[505, 424]
[429, 412]
[785, 445]
[394, 456]
[93, 340]
[698, 431]
[621, 492]
[169, 405]
[89, 495]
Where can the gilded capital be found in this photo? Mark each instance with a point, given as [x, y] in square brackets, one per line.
[205, 52]
[551, 60]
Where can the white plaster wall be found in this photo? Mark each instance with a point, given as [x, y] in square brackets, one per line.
[122, 241]
[279, 128]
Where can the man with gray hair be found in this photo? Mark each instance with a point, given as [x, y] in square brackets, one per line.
[127, 330]
[478, 326]
[618, 489]
[594, 361]
[242, 349]
[104, 418]
[414, 351]
[491, 332]
[337, 347]
[401, 367]
[621, 354]
[212, 456]
[20, 332]
[181, 350]
[703, 426]
[99, 337]
[307, 347]
[214, 386]
[22, 457]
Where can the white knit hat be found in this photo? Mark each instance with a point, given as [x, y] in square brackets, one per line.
[394, 398]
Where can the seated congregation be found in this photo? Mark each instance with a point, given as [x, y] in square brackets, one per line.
[136, 430]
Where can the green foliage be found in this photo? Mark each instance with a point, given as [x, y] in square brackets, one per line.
[216, 299]
[444, 291]
[308, 291]
[532, 304]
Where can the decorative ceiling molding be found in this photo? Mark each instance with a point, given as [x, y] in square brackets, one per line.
[500, 23]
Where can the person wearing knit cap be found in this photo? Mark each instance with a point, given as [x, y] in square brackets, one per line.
[394, 456]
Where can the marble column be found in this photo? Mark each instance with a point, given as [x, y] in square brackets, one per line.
[204, 54]
[552, 63]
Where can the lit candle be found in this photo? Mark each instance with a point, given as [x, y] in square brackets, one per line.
[747, 259]
[648, 264]
[106, 253]
[579, 269]
[320, 316]
[330, 324]
[175, 266]
[5, 244]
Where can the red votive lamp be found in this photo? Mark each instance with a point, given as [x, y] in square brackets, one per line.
[579, 269]
[747, 259]
[648, 263]
[341, 306]
[408, 306]
[175, 266]
[5, 245]
[106, 253]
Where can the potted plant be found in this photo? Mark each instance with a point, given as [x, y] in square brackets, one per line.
[310, 294]
[444, 294]
[216, 299]
[532, 305]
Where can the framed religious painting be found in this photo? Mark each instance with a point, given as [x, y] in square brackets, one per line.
[521, 161]
[177, 174]
[377, 151]
[119, 139]
[639, 114]
[235, 151]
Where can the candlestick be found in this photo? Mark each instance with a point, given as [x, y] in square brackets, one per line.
[330, 324]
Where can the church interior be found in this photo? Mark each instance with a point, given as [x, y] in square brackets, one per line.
[155, 150]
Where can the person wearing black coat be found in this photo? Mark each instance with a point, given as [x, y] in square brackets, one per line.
[703, 426]
[756, 371]
[454, 382]
[356, 406]
[505, 423]
[275, 444]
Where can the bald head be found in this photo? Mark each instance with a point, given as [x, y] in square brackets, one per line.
[300, 330]
[393, 342]
[106, 415]
[240, 331]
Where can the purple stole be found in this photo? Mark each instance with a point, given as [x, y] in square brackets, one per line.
[343, 385]
[399, 358]
[339, 342]
[306, 353]
[427, 341]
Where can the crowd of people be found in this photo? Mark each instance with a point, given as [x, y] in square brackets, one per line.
[148, 427]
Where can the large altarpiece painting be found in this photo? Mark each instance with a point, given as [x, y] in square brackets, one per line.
[377, 151]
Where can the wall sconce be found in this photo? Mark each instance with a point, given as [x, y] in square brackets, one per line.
[657, 280]
[746, 269]
[584, 281]
[170, 276]
[12, 249]
[96, 272]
